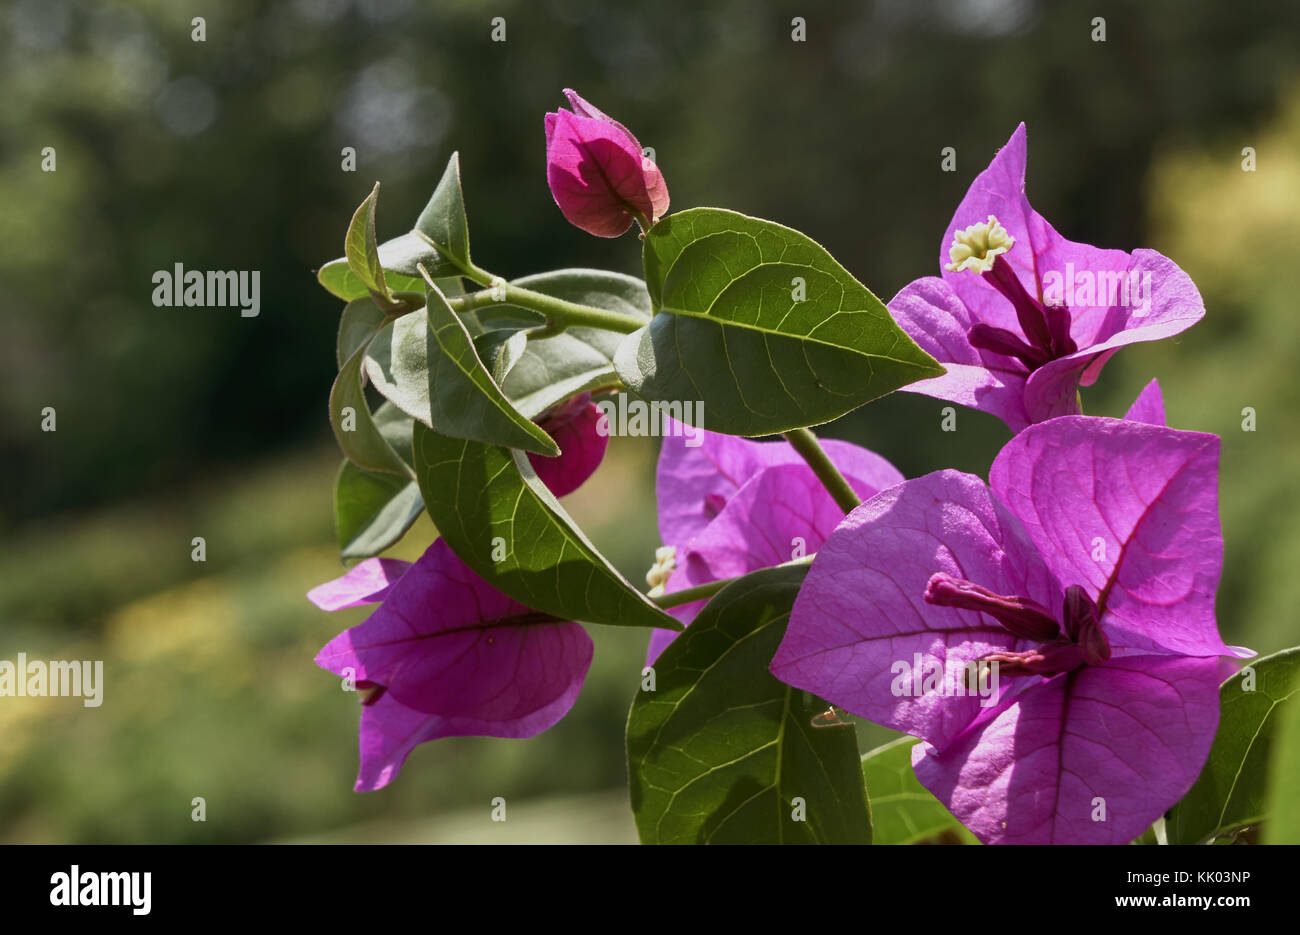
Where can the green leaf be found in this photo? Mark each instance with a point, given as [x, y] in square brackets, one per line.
[488, 504]
[354, 426]
[399, 258]
[1230, 791]
[500, 318]
[720, 750]
[576, 360]
[362, 248]
[360, 321]
[397, 361]
[729, 331]
[1283, 800]
[902, 810]
[464, 400]
[397, 364]
[373, 510]
[500, 350]
[550, 369]
[442, 223]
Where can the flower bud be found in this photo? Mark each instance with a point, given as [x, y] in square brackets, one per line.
[572, 424]
[597, 173]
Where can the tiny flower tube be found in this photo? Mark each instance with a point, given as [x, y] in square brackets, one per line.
[573, 426]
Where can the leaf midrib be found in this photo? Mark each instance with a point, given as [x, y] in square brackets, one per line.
[684, 313]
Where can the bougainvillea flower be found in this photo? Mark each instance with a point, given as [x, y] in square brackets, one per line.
[1082, 579]
[573, 426]
[729, 506]
[447, 655]
[1021, 317]
[597, 172]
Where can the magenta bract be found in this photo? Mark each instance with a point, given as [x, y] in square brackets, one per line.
[445, 655]
[729, 506]
[1021, 317]
[582, 447]
[597, 173]
[1087, 736]
[1149, 406]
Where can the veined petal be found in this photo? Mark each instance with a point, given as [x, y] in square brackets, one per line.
[696, 476]
[1093, 756]
[861, 623]
[656, 187]
[783, 511]
[1139, 297]
[1149, 407]
[390, 731]
[366, 582]
[445, 642]
[1171, 306]
[1130, 512]
[935, 317]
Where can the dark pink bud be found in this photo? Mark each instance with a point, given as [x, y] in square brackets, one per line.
[574, 425]
[1019, 615]
[597, 173]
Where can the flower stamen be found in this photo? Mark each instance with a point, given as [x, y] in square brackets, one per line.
[979, 248]
[976, 247]
[659, 573]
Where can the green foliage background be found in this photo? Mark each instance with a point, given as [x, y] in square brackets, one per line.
[225, 154]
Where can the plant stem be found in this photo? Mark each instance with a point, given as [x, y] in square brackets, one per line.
[477, 274]
[805, 442]
[557, 311]
[710, 588]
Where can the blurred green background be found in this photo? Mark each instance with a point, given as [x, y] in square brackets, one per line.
[225, 154]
